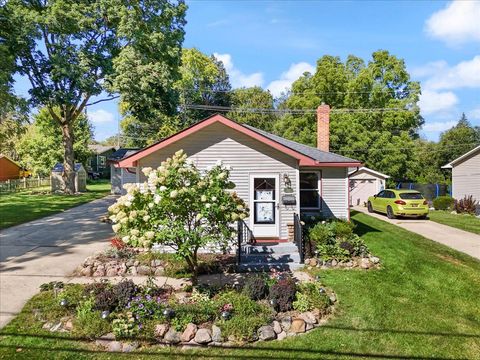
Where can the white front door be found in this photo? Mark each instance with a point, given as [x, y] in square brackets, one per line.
[264, 208]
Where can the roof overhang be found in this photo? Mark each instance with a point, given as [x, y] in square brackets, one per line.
[364, 168]
[303, 160]
[461, 158]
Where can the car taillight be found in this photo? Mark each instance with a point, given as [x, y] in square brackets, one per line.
[400, 202]
[425, 202]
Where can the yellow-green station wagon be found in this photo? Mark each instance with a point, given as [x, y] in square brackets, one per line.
[395, 203]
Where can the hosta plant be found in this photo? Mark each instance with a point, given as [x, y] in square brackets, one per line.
[181, 207]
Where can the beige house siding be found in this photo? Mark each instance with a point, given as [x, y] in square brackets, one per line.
[244, 154]
[362, 185]
[466, 178]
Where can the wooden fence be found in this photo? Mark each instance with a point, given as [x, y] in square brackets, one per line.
[13, 185]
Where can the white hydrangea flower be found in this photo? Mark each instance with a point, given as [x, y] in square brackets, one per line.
[149, 234]
[147, 170]
[214, 198]
[222, 175]
[128, 203]
[146, 218]
[150, 205]
[199, 216]
[116, 227]
[219, 163]
[208, 206]
[156, 198]
[126, 239]
[174, 194]
[163, 188]
[134, 232]
[203, 198]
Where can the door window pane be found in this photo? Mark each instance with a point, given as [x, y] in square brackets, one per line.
[264, 200]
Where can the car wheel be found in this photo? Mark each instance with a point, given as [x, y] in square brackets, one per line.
[369, 207]
[390, 213]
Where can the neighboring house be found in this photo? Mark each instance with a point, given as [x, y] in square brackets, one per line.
[118, 175]
[9, 169]
[365, 182]
[274, 176]
[98, 161]
[466, 175]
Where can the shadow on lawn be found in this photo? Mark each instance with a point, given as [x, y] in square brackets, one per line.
[360, 227]
[250, 352]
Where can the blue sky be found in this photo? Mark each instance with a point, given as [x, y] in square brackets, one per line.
[271, 43]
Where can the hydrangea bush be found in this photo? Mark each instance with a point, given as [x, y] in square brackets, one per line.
[181, 207]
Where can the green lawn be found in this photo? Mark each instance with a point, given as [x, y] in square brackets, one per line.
[20, 207]
[463, 222]
[422, 303]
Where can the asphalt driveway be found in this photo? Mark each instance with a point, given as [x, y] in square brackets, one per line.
[457, 239]
[48, 249]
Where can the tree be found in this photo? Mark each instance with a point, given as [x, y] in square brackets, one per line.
[460, 139]
[13, 124]
[156, 211]
[253, 98]
[382, 140]
[40, 148]
[204, 81]
[73, 51]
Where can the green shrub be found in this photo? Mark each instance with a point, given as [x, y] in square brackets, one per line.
[52, 285]
[255, 287]
[342, 229]
[124, 326]
[248, 315]
[124, 291]
[283, 293]
[310, 297]
[467, 205]
[89, 323]
[443, 203]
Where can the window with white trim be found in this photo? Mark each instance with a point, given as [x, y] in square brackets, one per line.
[310, 190]
[102, 160]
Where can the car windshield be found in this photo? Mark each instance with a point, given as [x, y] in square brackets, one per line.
[411, 196]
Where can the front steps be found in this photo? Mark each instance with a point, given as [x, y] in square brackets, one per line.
[266, 256]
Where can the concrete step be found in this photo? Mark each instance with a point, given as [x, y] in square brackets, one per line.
[285, 248]
[263, 267]
[271, 258]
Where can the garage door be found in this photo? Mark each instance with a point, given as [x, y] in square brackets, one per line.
[360, 190]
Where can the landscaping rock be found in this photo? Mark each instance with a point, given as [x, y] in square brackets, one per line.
[203, 336]
[266, 333]
[112, 272]
[114, 346]
[282, 335]
[129, 347]
[144, 270]
[374, 259]
[172, 336]
[86, 271]
[216, 334]
[309, 327]
[99, 272]
[160, 330]
[133, 270]
[130, 263]
[277, 327]
[333, 298]
[349, 264]
[298, 326]
[159, 271]
[308, 317]
[364, 263]
[56, 327]
[156, 263]
[334, 263]
[68, 325]
[286, 323]
[189, 332]
[47, 326]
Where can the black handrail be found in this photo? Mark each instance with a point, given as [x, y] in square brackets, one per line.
[298, 237]
[244, 236]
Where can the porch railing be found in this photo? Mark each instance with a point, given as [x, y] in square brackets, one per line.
[298, 237]
[244, 236]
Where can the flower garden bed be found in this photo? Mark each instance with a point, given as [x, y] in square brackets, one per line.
[124, 316]
[119, 260]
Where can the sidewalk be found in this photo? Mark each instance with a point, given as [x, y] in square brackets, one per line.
[457, 239]
[47, 250]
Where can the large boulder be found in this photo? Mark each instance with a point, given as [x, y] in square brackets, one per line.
[172, 336]
[266, 333]
[160, 330]
[298, 326]
[216, 334]
[203, 336]
[189, 332]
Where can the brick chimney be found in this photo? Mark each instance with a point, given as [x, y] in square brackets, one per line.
[323, 127]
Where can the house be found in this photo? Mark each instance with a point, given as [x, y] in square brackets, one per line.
[118, 175]
[9, 169]
[365, 182]
[466, 174]
[57, 182]
[276, 177]
[98, 161]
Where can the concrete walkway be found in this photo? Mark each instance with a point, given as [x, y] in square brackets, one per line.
[48, 249]
[464, 241]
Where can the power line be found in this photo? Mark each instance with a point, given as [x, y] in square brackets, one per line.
[398, 92]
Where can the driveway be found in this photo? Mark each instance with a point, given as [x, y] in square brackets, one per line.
[457, 239]
[48, 249]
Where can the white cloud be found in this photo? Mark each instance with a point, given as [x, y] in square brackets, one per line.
[238, 78]
[432, 101]
[464, 74]
[101, 116]
[457, 23]
[438, 126]
[288, 77]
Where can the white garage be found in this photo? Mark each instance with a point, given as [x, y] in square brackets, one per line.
[365, 182]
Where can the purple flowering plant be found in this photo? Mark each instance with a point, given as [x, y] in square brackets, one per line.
[146, 307]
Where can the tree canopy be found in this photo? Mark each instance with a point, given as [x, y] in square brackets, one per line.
[382, 139]
[40, 147]
[72, 51]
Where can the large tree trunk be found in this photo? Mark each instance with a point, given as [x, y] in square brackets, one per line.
[68, 158]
